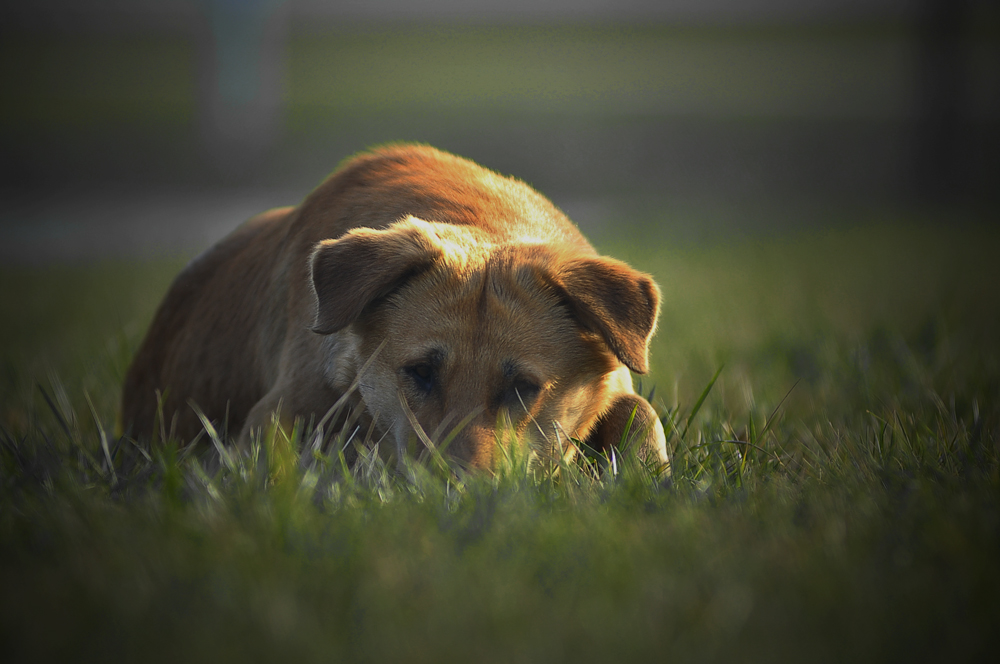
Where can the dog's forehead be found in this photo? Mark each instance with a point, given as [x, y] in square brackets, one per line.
[495, 312]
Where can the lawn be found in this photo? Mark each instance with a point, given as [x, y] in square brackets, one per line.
[835, 491]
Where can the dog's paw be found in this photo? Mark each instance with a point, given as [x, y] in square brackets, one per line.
[631, 424]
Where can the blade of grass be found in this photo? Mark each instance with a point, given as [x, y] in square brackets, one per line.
[422, 435]
[623, 443]
[213, 435]
[455, 430]
[55, 411]
[700, 401]
[771, 418]
[104, 439]
[354, 384]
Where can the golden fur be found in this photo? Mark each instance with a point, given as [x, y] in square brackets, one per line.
[492, 305]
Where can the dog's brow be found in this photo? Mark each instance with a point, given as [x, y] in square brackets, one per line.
[432, 355]
[513, 369]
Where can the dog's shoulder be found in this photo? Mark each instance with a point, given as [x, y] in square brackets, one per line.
[250, 243]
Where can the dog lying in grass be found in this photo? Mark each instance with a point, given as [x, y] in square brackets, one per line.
[467, 298]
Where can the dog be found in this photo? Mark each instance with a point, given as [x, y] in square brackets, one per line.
[467, 297]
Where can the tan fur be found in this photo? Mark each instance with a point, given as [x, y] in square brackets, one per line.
[489, 300]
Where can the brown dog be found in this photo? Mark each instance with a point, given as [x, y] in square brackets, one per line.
[492, 306]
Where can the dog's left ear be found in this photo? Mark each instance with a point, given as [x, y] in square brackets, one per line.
[365, 264]
[611, 298]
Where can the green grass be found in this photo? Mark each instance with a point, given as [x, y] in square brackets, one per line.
[836, 496]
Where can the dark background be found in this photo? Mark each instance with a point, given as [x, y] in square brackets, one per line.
[148, 127]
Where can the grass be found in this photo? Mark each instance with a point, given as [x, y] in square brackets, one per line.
[835, 491]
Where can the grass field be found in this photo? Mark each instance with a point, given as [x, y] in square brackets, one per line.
[835, 496]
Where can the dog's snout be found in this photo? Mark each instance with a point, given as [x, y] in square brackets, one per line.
[474, 445]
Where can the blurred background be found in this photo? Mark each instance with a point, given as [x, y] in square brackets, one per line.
[141, 128]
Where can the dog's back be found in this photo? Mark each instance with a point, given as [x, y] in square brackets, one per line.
[213, 320]
[381, 187]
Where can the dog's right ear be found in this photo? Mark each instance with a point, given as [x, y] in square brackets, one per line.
[363, 265]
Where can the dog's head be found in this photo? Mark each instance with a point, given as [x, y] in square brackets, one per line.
[516, 335]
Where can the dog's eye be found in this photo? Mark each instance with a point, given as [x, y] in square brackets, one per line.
[422, 375]
[522, 392]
